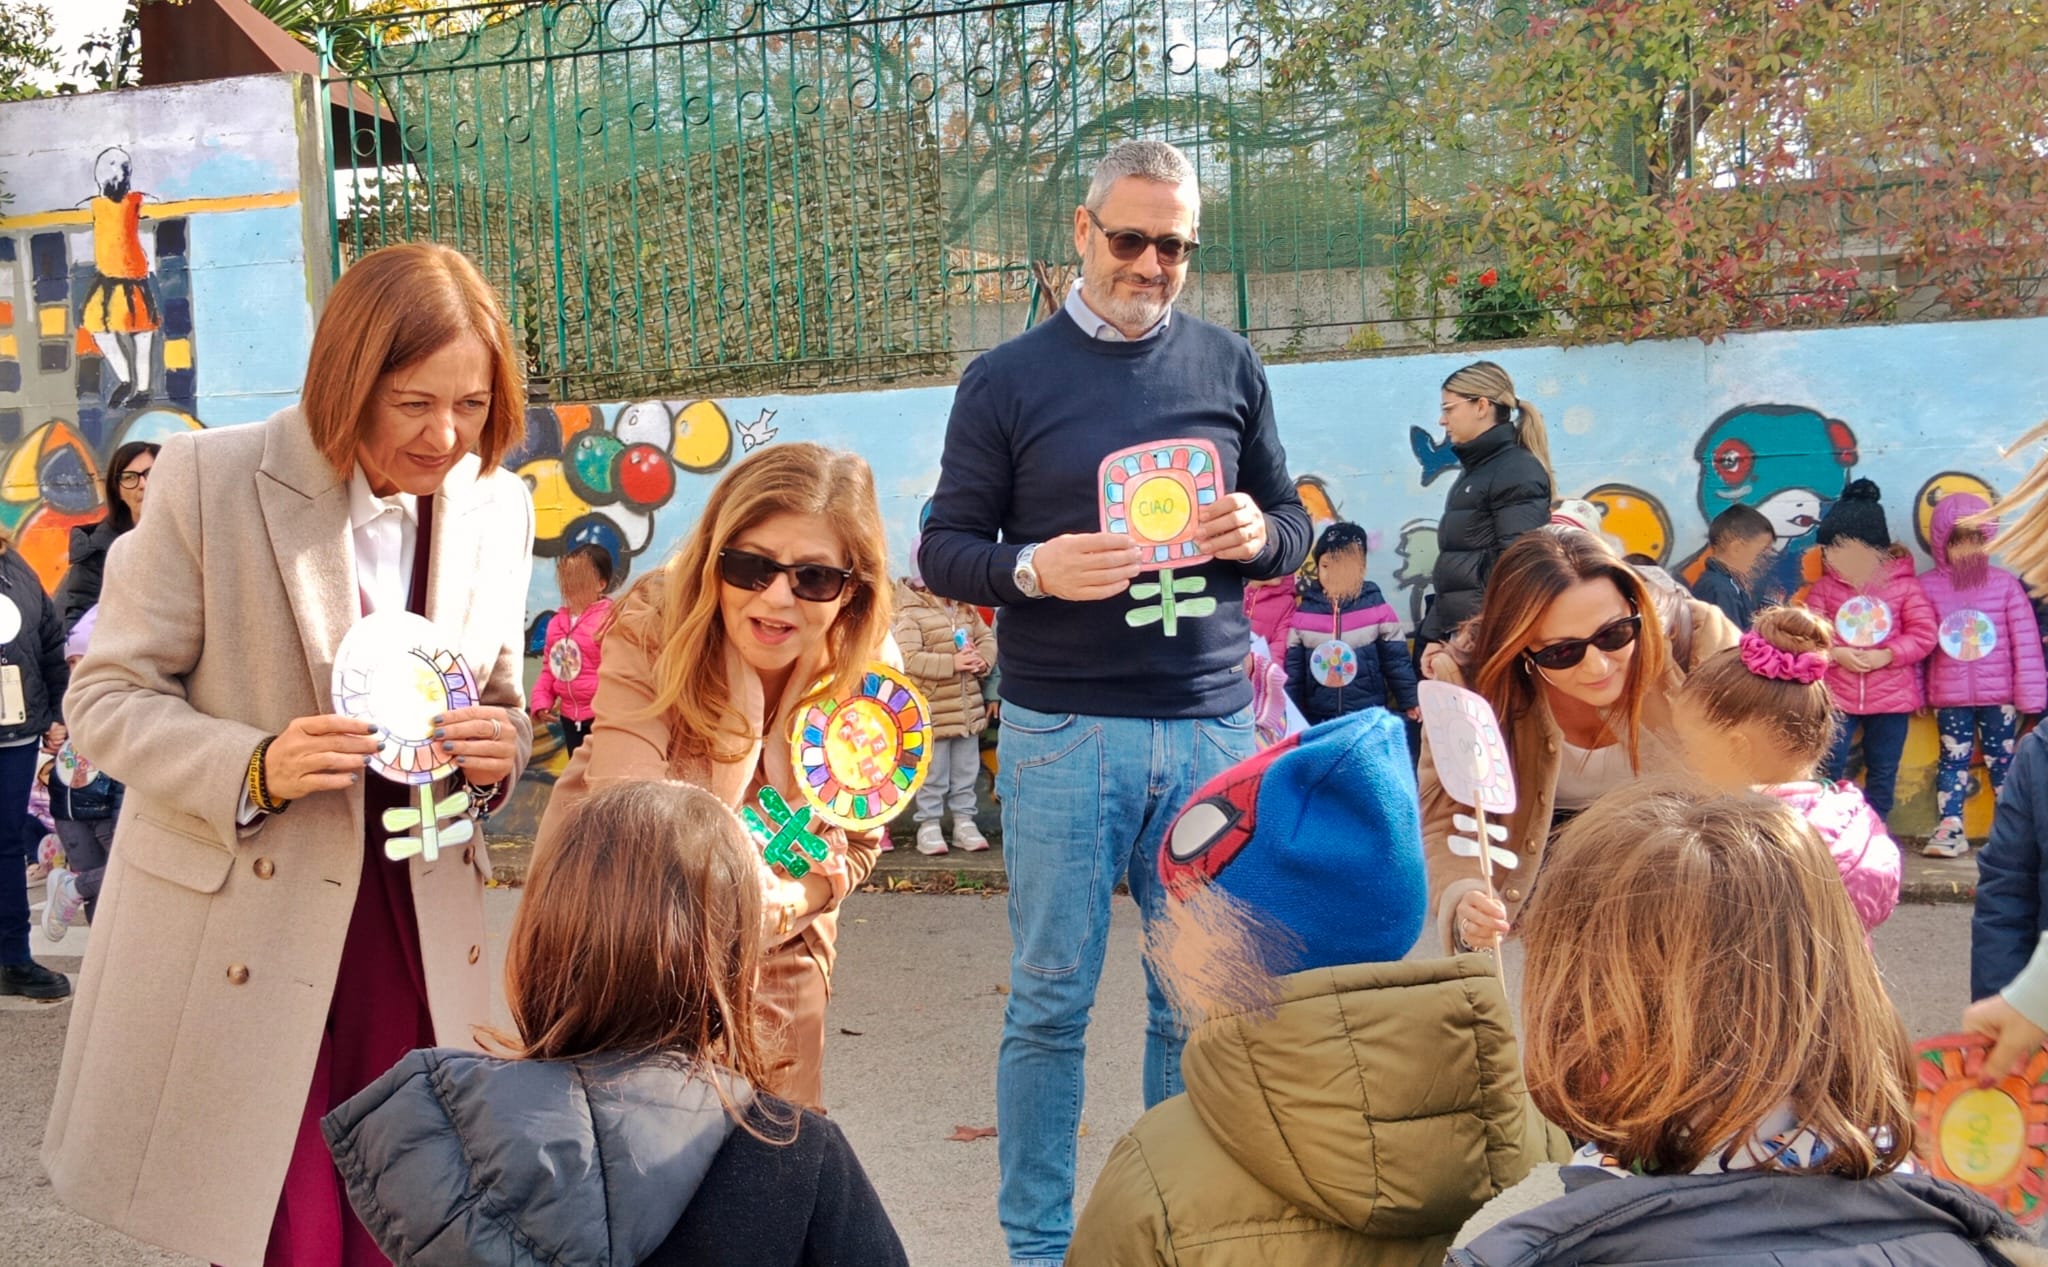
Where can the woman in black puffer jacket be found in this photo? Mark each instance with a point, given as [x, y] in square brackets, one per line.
[1503, 491]
[127, 481]
[33, 677]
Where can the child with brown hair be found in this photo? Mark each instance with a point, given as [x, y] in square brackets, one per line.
[1699, 1004]
[1758, 716]
[626, 1124]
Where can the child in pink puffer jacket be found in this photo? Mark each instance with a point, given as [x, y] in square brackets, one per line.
[1986, 668]
[1758, 716]
[1883, 626]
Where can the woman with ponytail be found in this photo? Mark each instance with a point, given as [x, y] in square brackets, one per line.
[1503, 491]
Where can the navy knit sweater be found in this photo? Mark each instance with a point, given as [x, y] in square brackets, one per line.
[1032, 422]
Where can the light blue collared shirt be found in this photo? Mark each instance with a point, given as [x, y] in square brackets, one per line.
[1093, 325]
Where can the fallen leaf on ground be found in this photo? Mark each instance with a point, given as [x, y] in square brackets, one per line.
[1083, 1132]
[999, 989]
[968, 1134]
[851, 1033]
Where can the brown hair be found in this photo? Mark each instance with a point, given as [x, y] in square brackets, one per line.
[393, 308]
[1801, 715]
[1542, 564]
[1969, 555]
[640, 936]
[785, 479]
[1694, 964]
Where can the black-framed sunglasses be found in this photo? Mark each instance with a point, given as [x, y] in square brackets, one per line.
[812, 582]
[1129, 244]
[132, 479]
[1610, 638]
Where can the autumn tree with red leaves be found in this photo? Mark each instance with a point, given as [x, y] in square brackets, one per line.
[1687, 167]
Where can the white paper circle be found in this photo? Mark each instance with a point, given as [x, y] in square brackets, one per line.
[10, 619]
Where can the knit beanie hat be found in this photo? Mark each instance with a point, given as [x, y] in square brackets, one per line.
[1858, 516]
[1308, 855]
[1341, 535]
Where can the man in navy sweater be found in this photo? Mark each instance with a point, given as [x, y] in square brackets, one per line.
[1123, 685]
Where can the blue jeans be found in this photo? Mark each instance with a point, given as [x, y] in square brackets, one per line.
[1086, 802]
[1998, 724]
[1884, 738]
[17, 847]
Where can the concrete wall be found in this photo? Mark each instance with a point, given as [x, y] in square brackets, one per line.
[233, 230]
[1664, 434]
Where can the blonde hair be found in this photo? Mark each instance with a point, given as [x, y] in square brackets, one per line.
[394, 308]
[639, 936]
[1484, 380]
[1542, 564]
[1800, 714]
[1694, 964]
[689, 668]
[2023, 539]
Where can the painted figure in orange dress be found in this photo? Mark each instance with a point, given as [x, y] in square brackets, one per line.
[120, 309]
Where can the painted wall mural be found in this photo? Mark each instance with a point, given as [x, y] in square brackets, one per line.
[1661, 436]
[154, 274]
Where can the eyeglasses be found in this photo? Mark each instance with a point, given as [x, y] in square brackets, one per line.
[1610, 638]
[132, 479]
[1129, 244]
[812, 582]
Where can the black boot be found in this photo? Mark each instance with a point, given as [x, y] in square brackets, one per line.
[32, 980]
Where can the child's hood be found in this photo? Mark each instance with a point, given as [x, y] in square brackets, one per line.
[1383, 1097]
[1837, 812]
[456, 1157]
[1948, 512]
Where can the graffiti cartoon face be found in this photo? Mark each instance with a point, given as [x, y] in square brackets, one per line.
[1417, 549]
[1785, 460]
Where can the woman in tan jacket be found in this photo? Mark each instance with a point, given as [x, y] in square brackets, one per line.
[778, 597]
[1580, 657]
[258, 958]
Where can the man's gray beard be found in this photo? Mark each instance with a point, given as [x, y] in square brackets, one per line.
[1132, 314]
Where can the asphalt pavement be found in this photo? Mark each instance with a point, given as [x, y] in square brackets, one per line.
[911, 1056]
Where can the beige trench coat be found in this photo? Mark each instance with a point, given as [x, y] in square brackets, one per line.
[214, 953]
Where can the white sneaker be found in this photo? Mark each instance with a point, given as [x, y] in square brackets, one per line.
[967, 837]
[931, 841]
[61, 904]
[1948, 840]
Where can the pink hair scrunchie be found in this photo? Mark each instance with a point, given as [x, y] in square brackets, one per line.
[1765, 660]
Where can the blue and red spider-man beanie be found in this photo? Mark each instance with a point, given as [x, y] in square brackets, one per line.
[1308, 855]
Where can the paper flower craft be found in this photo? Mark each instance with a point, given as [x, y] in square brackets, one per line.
[74, 770]
[860, 759]
[1154, 493]
[1465, 741]
[1968, 635]
[565, 660]
[1864, 621]
[1468, 846]
[1334, 663]
[394, 670]
[1991, 1139]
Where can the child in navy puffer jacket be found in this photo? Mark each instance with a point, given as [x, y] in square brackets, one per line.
[1986, 668]
[1345, 651]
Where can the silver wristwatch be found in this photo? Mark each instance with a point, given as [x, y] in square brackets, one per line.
[1026, 575]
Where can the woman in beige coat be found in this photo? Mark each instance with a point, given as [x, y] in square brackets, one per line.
[778, 597]
[257, 959]
[1580, 657]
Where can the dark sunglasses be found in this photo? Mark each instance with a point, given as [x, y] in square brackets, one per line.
[812, 582]
[1129, 244]
[1610, 638]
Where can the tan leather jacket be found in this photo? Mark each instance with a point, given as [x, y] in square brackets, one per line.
[1695, 631]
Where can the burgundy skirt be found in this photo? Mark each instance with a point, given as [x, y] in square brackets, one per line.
[379, 1013]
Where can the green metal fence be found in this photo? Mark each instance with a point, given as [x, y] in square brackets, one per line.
[685, 195]
[675, 194]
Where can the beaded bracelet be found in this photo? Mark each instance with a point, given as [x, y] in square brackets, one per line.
[259, 782]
